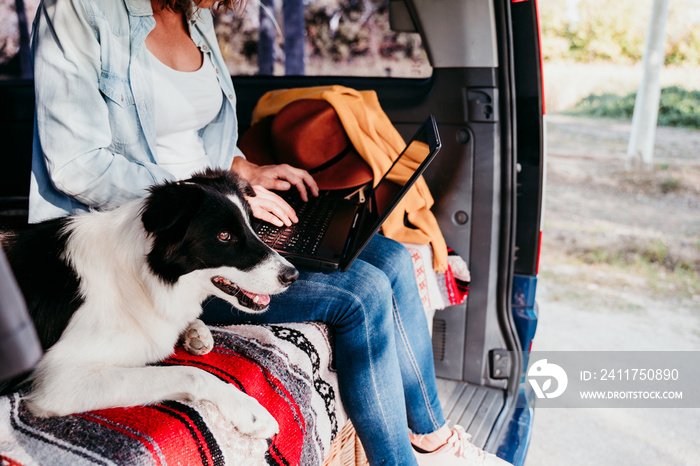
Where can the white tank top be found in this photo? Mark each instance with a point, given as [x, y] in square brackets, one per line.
[185, 102]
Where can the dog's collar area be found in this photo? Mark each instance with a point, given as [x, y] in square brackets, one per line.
[253, 301]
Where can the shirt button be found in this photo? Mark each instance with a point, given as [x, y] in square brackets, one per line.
[204, 47]
[217, 71]
[230, 96]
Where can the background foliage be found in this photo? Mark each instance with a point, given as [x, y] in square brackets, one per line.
[614, 30]
[353, 35]
[678, 107]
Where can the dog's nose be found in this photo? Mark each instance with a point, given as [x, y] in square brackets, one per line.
[288, 275]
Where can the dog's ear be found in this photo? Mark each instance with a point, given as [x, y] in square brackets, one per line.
[224, 181]
[244, 187]
[171, 206]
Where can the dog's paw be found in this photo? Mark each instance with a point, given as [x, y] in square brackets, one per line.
[39, 411]
[256, 421]
[197, 338]
[249, 417]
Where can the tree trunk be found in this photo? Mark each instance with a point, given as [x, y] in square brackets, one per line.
[266, 39]
[25, 54]
[293, 11]
[646, 105]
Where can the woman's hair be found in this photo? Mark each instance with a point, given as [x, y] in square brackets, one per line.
[185, 6]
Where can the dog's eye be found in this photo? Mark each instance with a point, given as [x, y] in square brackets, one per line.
[224, 236]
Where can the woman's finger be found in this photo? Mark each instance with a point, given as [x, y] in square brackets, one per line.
[264, 215]
[267, 203]
[301, 179]
[270, 213]
[281, 178]
[276, 202]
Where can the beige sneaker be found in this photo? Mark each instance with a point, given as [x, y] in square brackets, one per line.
[459, 451]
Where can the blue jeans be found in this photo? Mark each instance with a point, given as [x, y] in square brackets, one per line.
[383, 350]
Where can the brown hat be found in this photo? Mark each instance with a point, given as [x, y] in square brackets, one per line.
[308, 134]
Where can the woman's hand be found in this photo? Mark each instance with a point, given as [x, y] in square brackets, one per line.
[277, 177]
[271, 208]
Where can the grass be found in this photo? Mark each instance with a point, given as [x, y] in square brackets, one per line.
[677, 107]
[591, 285]
[670, 185]
[598, 256]
[663, 272]
[683, 281]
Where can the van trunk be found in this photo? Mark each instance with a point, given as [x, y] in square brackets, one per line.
[485, 92]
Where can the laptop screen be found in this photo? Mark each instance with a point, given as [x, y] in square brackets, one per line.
[382, 199]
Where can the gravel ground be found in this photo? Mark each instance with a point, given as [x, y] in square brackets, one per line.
[620, 270]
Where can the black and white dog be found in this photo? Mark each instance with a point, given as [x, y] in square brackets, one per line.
[110, 292]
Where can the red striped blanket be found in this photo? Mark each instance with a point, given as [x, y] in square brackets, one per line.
[287, 368]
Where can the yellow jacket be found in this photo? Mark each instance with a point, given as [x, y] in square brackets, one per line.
[379, 143]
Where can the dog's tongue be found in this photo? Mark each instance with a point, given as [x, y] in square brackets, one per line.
[262, 299]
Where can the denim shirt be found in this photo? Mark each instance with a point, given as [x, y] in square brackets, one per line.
[94, 131]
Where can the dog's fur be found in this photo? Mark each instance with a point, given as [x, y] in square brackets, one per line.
[110, 292]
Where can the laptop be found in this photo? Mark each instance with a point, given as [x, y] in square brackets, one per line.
[335, 227]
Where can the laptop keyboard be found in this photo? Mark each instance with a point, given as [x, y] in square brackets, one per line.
[304, 236]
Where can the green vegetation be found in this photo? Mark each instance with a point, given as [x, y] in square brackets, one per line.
[614, 31]
[664, 271]
[350, 34]
[678, 107]
[670, 185]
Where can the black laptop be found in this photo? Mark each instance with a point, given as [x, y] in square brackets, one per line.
[334, 227]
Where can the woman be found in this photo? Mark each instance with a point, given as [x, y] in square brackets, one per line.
[134, 92]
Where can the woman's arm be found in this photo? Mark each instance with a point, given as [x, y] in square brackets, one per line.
[73, 119]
